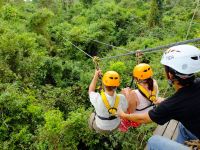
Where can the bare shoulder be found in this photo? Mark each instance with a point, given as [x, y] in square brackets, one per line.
[155, 81]
[135, 97]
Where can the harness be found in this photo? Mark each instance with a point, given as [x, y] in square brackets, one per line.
[111, 110]
[149, 96]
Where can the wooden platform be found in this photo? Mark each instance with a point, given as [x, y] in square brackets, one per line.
[168, 130]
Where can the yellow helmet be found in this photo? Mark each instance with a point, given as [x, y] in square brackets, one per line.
[142, 71]
[111, 78]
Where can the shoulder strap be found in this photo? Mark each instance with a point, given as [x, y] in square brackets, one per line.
[144, 92]
[111, 110]
[105, 101]
[116, 101]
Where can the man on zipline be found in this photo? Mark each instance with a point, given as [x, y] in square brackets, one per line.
[106, 103]
[180, 62]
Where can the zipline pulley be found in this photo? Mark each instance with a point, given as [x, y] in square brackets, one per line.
[138, 56]
[96, 61]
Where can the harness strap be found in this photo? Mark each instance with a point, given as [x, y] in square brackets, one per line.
[151, 97]
[145, 107]
[144, 96]
[111, 110]
[109, 118]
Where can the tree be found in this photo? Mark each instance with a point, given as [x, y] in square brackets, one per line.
[44, 78]
[87, 2]
[156, 13]
[39, 21]
[67, 3]
[53, 5]
[1, 3]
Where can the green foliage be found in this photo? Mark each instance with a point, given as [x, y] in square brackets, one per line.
[50, 134]
[19, 118]
[87, 2]
[156, 13]
[9, 12]
[53, 5]
[77, 130]
[19, 59]
[58, 133]
[118, 66]
[44, 78]
[39, 21]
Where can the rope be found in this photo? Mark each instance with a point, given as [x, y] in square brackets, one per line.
[80, 49]
[154, 49]
[148, 50]
[106, 44]
[95, 59]
[110, 45]
[189, 28]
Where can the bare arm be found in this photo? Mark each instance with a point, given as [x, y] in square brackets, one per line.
[139, 118]
[131, 99]
[94, 81]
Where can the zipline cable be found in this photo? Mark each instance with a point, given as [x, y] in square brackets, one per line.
[111, 45]
[148, 50]
[154, 49]
[100, 42]
[95, 59]
[80, 49]
[197, 44]
[195, 11]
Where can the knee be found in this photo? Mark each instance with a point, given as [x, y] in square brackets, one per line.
[182, 131]
[154, 138]
[91, 121]
[153, 141]
[181, 127]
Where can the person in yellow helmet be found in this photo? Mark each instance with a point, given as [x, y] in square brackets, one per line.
[106, 103]
[144, 97]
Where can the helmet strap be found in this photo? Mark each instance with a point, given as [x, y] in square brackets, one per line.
[170, 82]
[170, 79]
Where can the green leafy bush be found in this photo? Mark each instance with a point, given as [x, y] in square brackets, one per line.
[44, 77]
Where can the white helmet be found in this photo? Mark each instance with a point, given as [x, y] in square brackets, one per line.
[184, 59]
